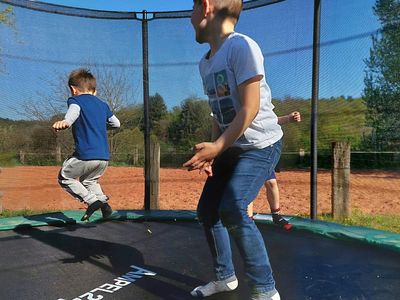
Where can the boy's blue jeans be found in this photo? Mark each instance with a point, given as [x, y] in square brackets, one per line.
[237, 178]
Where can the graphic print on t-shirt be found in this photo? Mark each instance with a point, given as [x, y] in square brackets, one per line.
[217, 89]
[209, 87]
[227, 110]
[221, 82]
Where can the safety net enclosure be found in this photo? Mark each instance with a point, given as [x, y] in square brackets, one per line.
[146, 64]
[42, 43]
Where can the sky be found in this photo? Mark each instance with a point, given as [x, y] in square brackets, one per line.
[43, 44]
[127, 5]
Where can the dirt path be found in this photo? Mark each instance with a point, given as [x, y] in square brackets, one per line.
[36, 188]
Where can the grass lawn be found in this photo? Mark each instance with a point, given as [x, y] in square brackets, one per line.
[382, 222]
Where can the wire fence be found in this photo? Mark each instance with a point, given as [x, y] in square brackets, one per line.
[41, 43]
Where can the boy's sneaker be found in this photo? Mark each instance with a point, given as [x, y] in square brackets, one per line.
[91, 209]
[106, 210]
[274, 295]
[214, 287]
[280, 221]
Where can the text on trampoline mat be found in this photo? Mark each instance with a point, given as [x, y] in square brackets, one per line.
[118, 283]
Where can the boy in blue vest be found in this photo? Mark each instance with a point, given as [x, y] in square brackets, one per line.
[243, 153]
[90, 118]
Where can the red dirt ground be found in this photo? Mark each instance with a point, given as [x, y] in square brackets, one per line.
[36, 188]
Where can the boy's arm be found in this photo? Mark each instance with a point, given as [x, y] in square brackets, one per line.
[69, 119]
[216, 132]
[249, 93]
[292, 117]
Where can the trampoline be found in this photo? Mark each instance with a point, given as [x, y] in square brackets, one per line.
[163, 255]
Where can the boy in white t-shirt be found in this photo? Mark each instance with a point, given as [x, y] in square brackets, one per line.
[245, 148]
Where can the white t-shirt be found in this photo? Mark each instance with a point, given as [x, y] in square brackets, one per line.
[238, 59]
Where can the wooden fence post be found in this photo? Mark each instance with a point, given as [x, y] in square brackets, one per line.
[340, 180]
[154, 174]
[58, 153]
[135, 160]
[302, 153]
[22, 157]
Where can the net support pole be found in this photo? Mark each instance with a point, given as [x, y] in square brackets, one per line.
[145, 55]
[314, 109]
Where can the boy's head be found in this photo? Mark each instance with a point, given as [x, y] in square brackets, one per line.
[209, 11]
[225, 8]
[81, 81]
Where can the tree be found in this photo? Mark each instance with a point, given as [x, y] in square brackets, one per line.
[48, 104]
[7, 18]
[158, 109]
[131, 116]
[129, 146]
[382, 80]
[157, 112]
[192, 124]
[113, 87]
[158, 117]
[15, 135]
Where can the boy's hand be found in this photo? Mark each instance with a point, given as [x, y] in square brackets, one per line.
[294, 117]
[60, 125]
[205, 153]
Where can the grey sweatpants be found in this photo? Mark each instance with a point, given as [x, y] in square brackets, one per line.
[80, 179]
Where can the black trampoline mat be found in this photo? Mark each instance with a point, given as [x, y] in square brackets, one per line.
[166, 260]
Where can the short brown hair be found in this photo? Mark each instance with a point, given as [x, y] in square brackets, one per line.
[227, 8]
[83, 80]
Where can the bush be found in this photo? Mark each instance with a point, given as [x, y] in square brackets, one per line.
[9, 160]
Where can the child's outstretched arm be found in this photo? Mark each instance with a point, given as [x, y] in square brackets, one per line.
[249, 93]
[294, 116]
[72, 114]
